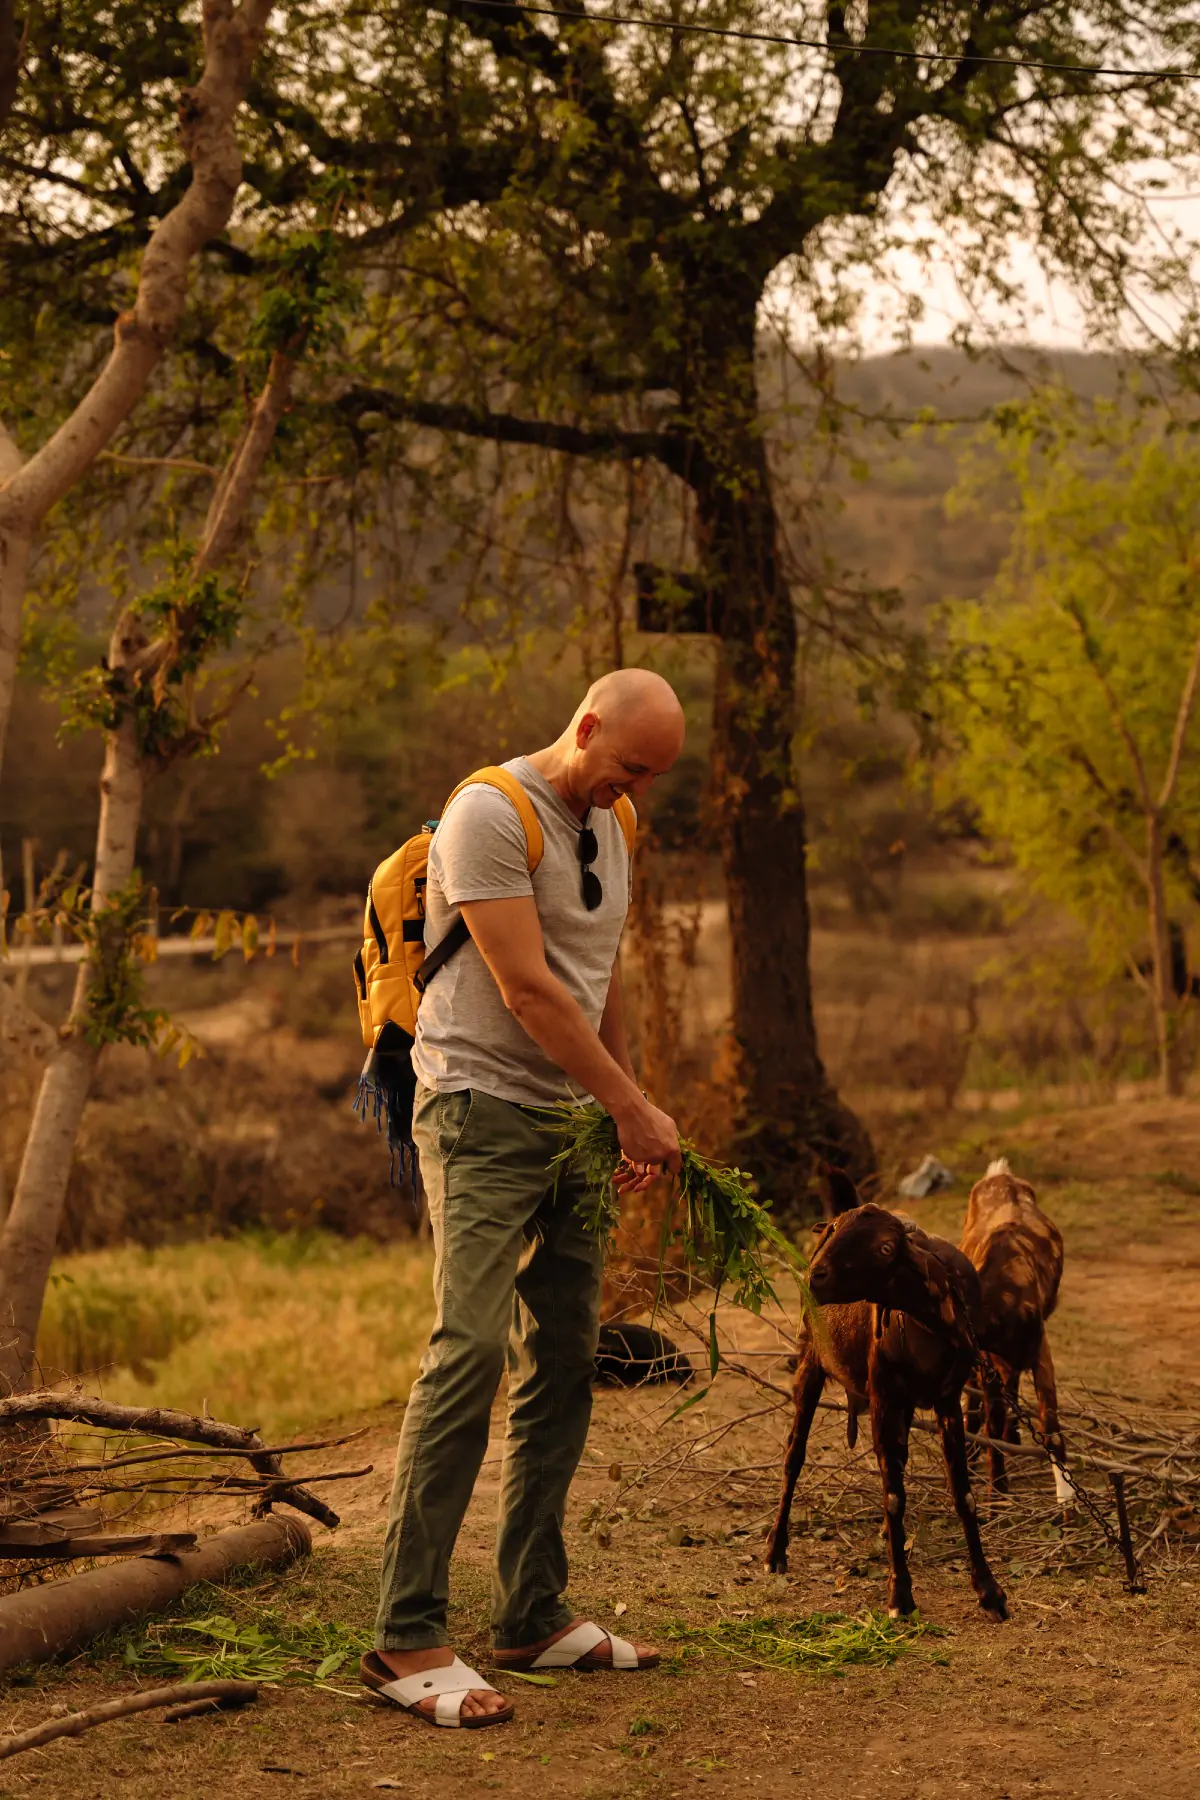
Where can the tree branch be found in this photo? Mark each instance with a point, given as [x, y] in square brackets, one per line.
[183, 464]
[614, 445]
[1118, 717]
[1182, 721]
[233, 492]
[207, 112]
[162, 1421]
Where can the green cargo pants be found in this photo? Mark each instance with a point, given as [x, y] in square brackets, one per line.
[516, 1274]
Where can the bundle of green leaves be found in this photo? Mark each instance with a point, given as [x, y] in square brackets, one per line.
[727, 1235]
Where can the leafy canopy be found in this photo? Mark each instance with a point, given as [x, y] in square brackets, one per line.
[1063, 689]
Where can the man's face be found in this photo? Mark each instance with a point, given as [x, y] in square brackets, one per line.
[623, 758]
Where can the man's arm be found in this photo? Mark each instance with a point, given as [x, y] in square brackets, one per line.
[508, 936]
[612, 1027]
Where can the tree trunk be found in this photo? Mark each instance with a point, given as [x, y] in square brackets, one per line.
[789, 1111]
[31, 1230]
[1162, 985]
[14, 564]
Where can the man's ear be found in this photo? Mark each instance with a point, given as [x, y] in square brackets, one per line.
[585, 729]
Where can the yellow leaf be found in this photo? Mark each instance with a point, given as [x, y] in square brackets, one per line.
[223, 934]
[249, 936]
[271, 938]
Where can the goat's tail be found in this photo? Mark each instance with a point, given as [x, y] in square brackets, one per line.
[998, 1167]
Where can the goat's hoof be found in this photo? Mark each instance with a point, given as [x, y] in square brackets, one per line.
[901, 1612]
[777, 1565]
[995, 1607]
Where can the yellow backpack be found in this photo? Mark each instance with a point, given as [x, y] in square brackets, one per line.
[392, 970]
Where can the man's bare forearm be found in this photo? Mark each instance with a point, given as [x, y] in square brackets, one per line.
[557, 1024]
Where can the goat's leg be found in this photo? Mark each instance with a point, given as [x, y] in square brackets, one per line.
[954, 1448]
[891, 1417]
[997, 1416]
[974, 1409]
[809, 1383]
[1047, 1397]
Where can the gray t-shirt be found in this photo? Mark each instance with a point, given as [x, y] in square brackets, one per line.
[466, 1036]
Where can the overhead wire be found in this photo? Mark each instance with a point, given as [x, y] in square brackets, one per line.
[848, 44]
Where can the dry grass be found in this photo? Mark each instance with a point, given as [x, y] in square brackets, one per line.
[276, 1332]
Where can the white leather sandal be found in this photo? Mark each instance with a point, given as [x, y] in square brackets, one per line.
[450, 1686]
[575, 1650]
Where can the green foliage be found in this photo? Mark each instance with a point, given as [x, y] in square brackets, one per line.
[270, 1649]
[814, 1644]
[1061, 692]
[306, 295]
[193, 619]
[116, 1010]
[725, 1233]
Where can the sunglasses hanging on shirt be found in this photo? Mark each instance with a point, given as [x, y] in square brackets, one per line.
[593, 893]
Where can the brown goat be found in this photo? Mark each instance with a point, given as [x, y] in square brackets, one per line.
[898, 1333]
[1018, 1253]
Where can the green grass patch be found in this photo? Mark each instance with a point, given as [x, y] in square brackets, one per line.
[281, 1331]
[814, 1644]
[219, 1633]
[272, 1650]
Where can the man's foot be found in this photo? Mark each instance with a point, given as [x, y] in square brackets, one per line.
[598, 1657]
[414, 1662]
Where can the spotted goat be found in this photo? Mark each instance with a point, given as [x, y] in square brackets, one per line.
[1018, 1254]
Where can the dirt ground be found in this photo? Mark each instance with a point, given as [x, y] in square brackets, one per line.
[1086, 1692]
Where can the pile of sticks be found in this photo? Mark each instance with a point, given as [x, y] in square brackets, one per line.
[59, 1502]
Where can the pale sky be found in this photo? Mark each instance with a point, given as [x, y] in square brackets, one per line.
[1054, 317]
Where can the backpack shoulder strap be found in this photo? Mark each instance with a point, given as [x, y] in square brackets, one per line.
[511, 788]
[627, 820]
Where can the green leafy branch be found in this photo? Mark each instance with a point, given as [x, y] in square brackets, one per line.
[185, 620]
[116, 1010]
[725, 1232]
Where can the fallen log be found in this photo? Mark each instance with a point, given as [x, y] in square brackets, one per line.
[163, 1421]
[197, 1694]
[61, 1617]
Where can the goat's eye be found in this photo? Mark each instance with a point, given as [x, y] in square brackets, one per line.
[887, 1249]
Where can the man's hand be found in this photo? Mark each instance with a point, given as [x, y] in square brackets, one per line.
[649, 1145]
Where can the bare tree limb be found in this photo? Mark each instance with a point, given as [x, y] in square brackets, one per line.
[615, 445]
[231, 1693]
[183, 464]
[162, 1421]
[1182, 721]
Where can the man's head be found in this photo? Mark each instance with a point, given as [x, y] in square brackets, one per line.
[628, 730]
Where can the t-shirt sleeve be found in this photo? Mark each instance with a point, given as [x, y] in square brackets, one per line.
[479, 850]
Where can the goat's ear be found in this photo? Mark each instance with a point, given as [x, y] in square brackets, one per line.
[820, 1233]
[937, 1281]
[838, 1193]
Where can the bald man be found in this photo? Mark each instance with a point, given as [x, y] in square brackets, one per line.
[526, 1015]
